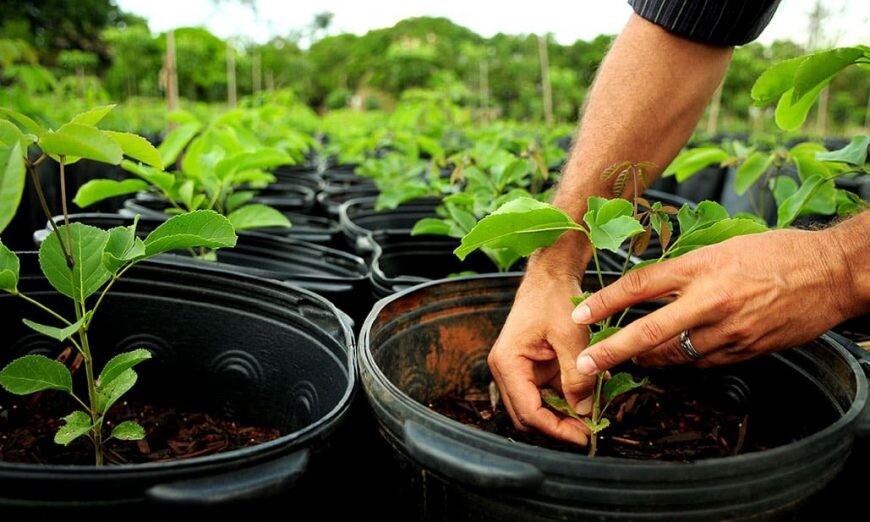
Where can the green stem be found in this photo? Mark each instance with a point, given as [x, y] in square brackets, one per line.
[97, 429]
[115, 277]
[49, 311]
[31, 168]
[596, 413]
[69, 260]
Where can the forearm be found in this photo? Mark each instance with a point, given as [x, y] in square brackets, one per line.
[850, 271]
[646, 100]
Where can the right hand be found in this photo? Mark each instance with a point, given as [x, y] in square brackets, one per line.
[538, 347]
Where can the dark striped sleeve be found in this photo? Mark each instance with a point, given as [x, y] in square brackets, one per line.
[716, 22]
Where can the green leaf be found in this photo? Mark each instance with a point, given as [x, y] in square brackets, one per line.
[597, 337]
[202, 228]
[76, 424]
[577, 299]
[109, 393]
[790, 208]
[804, 158]
[431, 226]
[59, 334]
[855, 153]
[263, 158]
[88, 273]
[137, 147]
[175, 141]
[10, 268]
[503, 258]
[128, 430]
[775, 81]
[522, 225]
[692, 161]
[715, 233]
[237, 199]
[120, 363]
[791, 113]
[257, 215]
[819, 68]
[782, 187]
[621, 383]
[162, 180]
[83, 141]
[12, 177]
[610, 223]
[706, 213]
[602, 424]
[97, 190]
[122, 247]
[33, 373]
[10, 135]
[751, 170]
[25, 121]
[93, 116]
[558, 403]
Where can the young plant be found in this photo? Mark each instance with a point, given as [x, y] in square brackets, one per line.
[524, 224]
[83, 263]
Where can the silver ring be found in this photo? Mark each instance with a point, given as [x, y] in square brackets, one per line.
[687, 346]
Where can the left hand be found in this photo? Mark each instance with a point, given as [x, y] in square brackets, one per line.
[738, 299]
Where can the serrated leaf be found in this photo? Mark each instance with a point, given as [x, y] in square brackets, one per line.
[75, 425]
[88, 273]
[751, 170]
[577, 299]
[431, 226]
[128, 430]
[59, 334]
[202, 228]
[820, 67]
[25, 121]
[109, 393]
[522, 225]
[162, 180]
[257, 215]
[597, 337]
[137, 147]
[83, 141]
[93, 116]
[705, 214]
[175, 141]
[263, 158]
[594, 427]
[10, 268]
[97, 190]
[120, 363]
[558, 403]
[692, 161]
[122, 247]
[715, 233]
[791, 113]
[775, 81]
[10, 135]
[33, 373]
[610, 223]
[791, 207]
[855, 153]
[621, 383]
[12, 178]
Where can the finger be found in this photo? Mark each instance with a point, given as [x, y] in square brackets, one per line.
[576, 387]
[704, 339]
[642, 335]
[636, 286]
[531, 413]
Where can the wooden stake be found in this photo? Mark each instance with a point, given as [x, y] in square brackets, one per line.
[713, 115]
[256, 73]
[546, 88]
[231, 77]
[171, 76]
[484, 88]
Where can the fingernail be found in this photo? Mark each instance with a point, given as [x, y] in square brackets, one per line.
[581, 314]
[584, 407]
[586, 365]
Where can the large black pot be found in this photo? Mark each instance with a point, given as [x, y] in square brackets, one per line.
[287, 197]
[358, 219]
[259, 351]
[336, 275]
[432, 340]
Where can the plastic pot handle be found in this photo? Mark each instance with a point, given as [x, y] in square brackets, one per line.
[248, 483]
[466, 464]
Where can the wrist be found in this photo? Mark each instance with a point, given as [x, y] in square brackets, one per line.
[850, 265]
[565, 259]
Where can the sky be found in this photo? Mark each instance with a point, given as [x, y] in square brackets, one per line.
[567, 20]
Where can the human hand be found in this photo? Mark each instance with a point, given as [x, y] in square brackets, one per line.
[537, 347]
[738, 299]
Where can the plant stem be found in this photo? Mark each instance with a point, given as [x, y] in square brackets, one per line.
[31, 167]
[51, 312]
[596, 413]
[69, 260]
[97, 429]
[115, 277]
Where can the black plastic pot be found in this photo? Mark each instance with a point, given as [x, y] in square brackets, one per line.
[358, 219]
[257, 351]
[706, 184]
[305, 227]
[432, 340]
[303, 176]
[336, 275]
[287, 197]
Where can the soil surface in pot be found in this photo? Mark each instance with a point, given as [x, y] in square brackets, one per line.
[28, 425]
[665, 420]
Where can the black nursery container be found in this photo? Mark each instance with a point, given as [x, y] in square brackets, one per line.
[431, 341]
[358, 219]
[259, 351]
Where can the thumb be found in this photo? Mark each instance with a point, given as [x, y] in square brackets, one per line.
[576, 387]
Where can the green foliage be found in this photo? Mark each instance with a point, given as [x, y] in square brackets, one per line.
[12, 174]
[610, 223]
[33, 373]
[88, 273]
[619, 384]
[75, 425]
[257, 216]
[99, 189]
[199, 229]
[58, 334]
[9, 269]
[128, 430]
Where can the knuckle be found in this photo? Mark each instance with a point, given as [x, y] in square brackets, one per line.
[651, 332]
[606, 356]
[635, 281]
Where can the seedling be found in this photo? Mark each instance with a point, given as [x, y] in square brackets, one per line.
[83, 263]
[524, 224]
